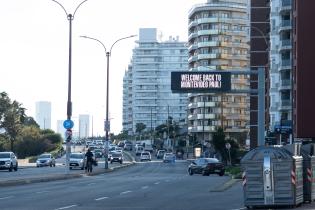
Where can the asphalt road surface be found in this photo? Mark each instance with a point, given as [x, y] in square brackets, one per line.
[143, 186]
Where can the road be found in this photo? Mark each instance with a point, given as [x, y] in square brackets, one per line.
[150, 185]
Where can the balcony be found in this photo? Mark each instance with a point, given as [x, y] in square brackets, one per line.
[192, 47]
[208, 44]
[208, 32]
[192, 23]
[285, 25]
[285, 44]
[192, 59]
[285, 6]
[286, 84]
[192, 35]
[285, 64]
[205, 116]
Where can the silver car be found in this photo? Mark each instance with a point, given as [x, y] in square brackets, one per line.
[77, 161]
[8, 160]
[46, 160]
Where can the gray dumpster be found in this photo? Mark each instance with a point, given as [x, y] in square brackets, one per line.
[307, 152]
[272, 177]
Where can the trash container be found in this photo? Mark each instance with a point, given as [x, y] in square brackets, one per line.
[272, 177]
[308, 151]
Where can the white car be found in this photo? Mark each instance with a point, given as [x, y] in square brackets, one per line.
[145, 156]
[77, 161]
[46, 160]
[8, 160]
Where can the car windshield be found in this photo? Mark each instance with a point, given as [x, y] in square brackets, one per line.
[76, 156]
[4, 155]
[44, 156]
[212, 160]
[145, 153]
[116, 155]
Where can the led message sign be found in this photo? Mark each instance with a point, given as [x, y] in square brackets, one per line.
[196, 82]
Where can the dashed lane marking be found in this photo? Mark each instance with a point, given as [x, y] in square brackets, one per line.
[66, 207]
[101, 198]
[7, 197]
[125, 192]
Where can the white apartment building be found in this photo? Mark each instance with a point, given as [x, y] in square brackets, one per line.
[280, 62]
[147, 93]
[43, 114]
[84, 126]
[218, 41]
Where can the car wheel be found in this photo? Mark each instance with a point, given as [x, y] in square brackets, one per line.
[221, 173]
[190, 172]
[50, 165]
[16, 167]
[11, 167]
[204, 173]
[70, 168]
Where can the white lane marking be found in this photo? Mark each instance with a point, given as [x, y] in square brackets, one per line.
[8, 197]
[91, 184]
[145, 187]
[125, 192]
[66, 207]
[157, 183]
[45, 191]
[240, 208]
[101, 198]
[167, 180]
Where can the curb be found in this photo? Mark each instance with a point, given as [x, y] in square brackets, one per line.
[225, 186]
[56, 177]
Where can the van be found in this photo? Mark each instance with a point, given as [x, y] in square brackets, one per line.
[139, 149]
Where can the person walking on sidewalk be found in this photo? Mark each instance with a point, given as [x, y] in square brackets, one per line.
[89, 161]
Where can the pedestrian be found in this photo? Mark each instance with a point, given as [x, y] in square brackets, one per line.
[89, 161]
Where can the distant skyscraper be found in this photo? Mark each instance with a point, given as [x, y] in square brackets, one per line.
[60, 129]
[147, 95]
[43, 114]
[84, 126]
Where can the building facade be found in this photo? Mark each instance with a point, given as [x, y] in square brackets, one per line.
[281, 33]
[147, 82]
[303, 68]
[218, 41]
[43, 114]
[84, 126]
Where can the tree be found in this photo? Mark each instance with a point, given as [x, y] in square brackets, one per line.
[140, 127]
[219, 142]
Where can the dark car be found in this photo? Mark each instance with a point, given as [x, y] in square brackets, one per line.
[206, 166]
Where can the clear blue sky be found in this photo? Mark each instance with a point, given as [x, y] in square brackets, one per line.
[34, 51]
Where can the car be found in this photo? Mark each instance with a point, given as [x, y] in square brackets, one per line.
[169, 158]
[8, 160]
[98, 153]
[77, 160]
[116, 157]
[128, 146]
[46, 159]
[145, 156]
[206, 166]
[139, 150]
[118, 149]
[160, 154]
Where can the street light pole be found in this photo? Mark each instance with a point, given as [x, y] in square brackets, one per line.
[107, 125]
[70, 17]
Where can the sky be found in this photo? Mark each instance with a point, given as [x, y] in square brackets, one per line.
[34, 51]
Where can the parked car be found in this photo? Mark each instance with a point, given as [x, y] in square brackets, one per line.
[139, 150]
[128, 146]
[145, 156]
[116, 157]
[98, 153]
[169, 158]
[46, 160]
[77, 161]
[8, 160]
[206, 166]
[160, 154]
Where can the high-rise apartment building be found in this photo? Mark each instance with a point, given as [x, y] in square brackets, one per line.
[218, 41]
[84, 126]
[147, 82]
[281, 17]
[43, 114]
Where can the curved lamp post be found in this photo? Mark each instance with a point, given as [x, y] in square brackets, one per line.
[107, 124]
[70, 17]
